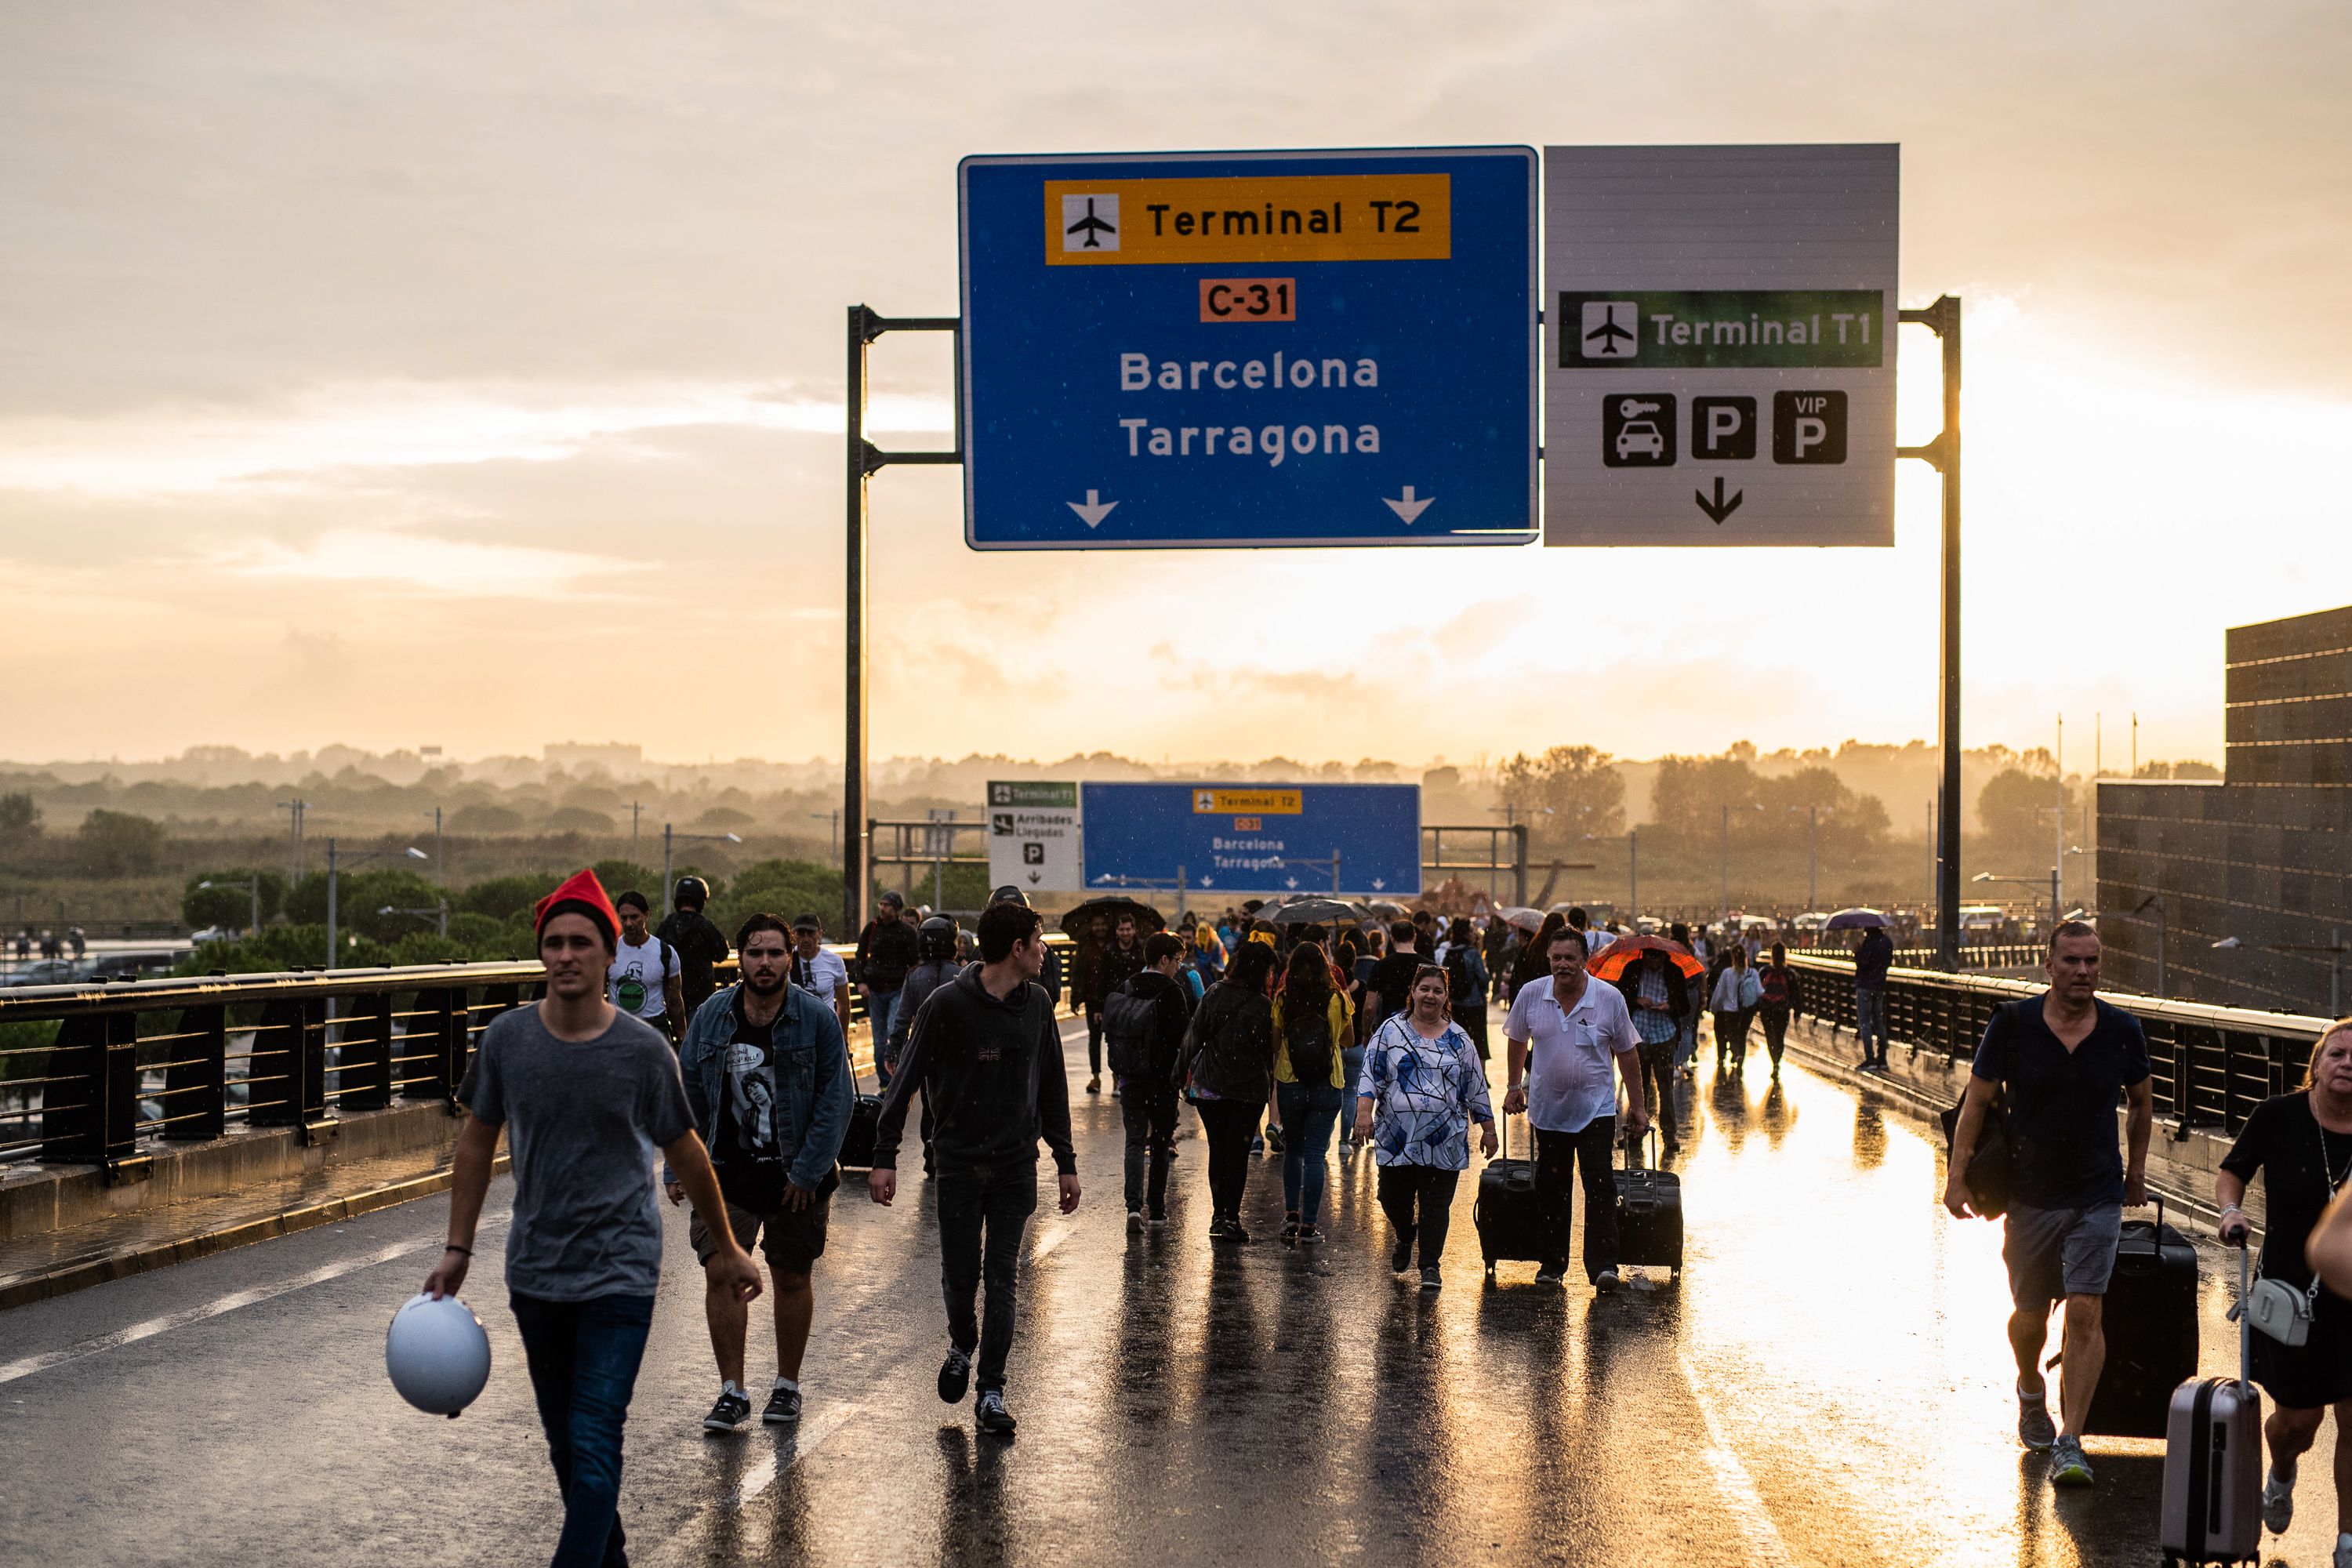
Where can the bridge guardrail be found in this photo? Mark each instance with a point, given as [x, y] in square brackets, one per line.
[184, 1059]
[2212, 1065]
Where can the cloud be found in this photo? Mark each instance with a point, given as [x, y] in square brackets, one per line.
[446, 568]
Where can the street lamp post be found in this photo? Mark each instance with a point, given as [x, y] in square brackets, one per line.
[439, 915]
[252, 885]
[670, 837]
[2155, 901]
[440, 860]
[1632, 836]
[2029, 882]
[2334, 949]
[1812, 853]
[334, 873]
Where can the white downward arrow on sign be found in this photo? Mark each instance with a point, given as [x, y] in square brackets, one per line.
[1406, 508]
[1094, 508]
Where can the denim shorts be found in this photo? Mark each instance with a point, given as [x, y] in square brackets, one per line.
[2060, 1252]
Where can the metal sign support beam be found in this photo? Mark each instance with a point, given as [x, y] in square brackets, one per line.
[865, 459]
[1943, 318]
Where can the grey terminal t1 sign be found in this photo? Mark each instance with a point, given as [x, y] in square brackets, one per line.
[1719, 353]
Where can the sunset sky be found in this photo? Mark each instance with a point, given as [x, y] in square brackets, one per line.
[471, 375]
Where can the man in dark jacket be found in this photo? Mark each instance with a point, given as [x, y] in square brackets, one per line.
[885, 952]
[1871, 962]
[987, 1057]
[1106, 968]
[936, 944]
[767, 1078]
[1145, 1056]
[699, 944]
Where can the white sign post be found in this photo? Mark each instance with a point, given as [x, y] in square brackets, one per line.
[1719, 344]
[1033, 838]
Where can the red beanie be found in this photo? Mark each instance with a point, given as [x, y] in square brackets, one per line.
[581, 894]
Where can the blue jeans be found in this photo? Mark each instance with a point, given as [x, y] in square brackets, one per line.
[583, 1359]
[1869, 1021]
[1307, 1112]
[880, 1005]
[1351, 1068]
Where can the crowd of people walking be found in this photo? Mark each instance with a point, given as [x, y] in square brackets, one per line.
[1280, 1034]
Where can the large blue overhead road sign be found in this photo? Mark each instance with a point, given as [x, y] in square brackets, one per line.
[1237, 349]
[1254, 838]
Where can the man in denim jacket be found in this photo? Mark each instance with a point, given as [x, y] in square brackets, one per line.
[768, 1078]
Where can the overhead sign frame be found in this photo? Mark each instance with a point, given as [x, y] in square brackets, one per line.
[1426, 432]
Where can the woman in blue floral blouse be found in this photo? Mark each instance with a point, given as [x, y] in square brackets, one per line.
[1420, 1089]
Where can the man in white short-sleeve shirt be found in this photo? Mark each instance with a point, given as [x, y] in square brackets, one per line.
[1565, 1032]
[818, 971]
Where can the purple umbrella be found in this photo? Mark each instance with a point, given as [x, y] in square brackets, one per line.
[1855, 920]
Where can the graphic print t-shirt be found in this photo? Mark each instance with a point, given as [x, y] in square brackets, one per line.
[633, 982]
[748, 1155]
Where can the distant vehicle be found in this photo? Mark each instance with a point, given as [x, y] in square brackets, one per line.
[213, 933]
[1982, 917]
[49, 972]
[1812, 921]
[1640, 436]
[132, 965]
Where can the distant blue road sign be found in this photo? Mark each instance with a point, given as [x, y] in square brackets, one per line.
[1253, 839]
[1245, 349]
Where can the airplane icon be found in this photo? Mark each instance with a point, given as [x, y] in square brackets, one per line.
[1091, 224]
[1605, 337]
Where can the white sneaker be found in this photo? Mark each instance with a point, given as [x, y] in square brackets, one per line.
[2278, 1502]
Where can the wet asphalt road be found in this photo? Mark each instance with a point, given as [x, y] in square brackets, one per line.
[1829, 1384]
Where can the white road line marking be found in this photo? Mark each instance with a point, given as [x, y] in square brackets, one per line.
[11, 1370]
[1732, 1480]
[806, 1441]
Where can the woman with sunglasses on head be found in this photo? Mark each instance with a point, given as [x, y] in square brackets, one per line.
[1422, 1086]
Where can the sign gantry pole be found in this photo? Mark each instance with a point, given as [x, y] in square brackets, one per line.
[864, 460]
[1943, 318]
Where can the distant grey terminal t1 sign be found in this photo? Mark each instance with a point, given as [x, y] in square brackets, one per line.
[1719, 344]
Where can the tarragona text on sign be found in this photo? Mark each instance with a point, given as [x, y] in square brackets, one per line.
[1275, 441]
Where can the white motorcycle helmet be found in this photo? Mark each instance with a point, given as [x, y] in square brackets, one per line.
[438, 1355]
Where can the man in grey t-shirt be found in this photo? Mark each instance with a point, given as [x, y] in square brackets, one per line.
[587, 1096]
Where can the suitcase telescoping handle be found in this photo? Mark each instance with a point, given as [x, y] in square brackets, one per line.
[2245, 1322]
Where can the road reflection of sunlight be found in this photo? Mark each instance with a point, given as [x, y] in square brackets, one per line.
[1849, 1331]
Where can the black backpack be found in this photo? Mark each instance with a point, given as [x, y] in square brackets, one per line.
[1457, 974]
[1306, 1037]
[1130, 1022]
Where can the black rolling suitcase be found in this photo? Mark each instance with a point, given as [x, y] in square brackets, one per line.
[1649, 1215]
[1504, 1211]
[2151, 1331]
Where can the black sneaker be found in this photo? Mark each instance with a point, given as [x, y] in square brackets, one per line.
[1401, 1256]
[1233, 1231]
[1274, 1138]
[730, 1414]
[784, 1408]
[1134, 1220]
[1306, 1235]
[992, 1415]
[955, 1375]
[1429, 1279]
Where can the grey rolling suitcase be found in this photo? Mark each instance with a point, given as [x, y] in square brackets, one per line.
[2212, 1509]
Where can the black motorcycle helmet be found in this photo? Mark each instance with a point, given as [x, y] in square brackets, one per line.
[935, 939]
[692, 893]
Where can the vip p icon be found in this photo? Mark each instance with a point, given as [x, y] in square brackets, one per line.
[1808, 426]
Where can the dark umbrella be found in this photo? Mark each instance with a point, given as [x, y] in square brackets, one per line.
[1113, 906]
[1857, 919]
[1313, 910]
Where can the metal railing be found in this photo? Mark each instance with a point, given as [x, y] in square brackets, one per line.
[185, 1060]
[2212, 1065]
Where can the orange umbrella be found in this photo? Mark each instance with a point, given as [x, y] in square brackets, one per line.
[1610, 965]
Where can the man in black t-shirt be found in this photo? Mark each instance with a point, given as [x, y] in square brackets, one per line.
[1389, 990]
[2059, 1062]
[699, 944]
